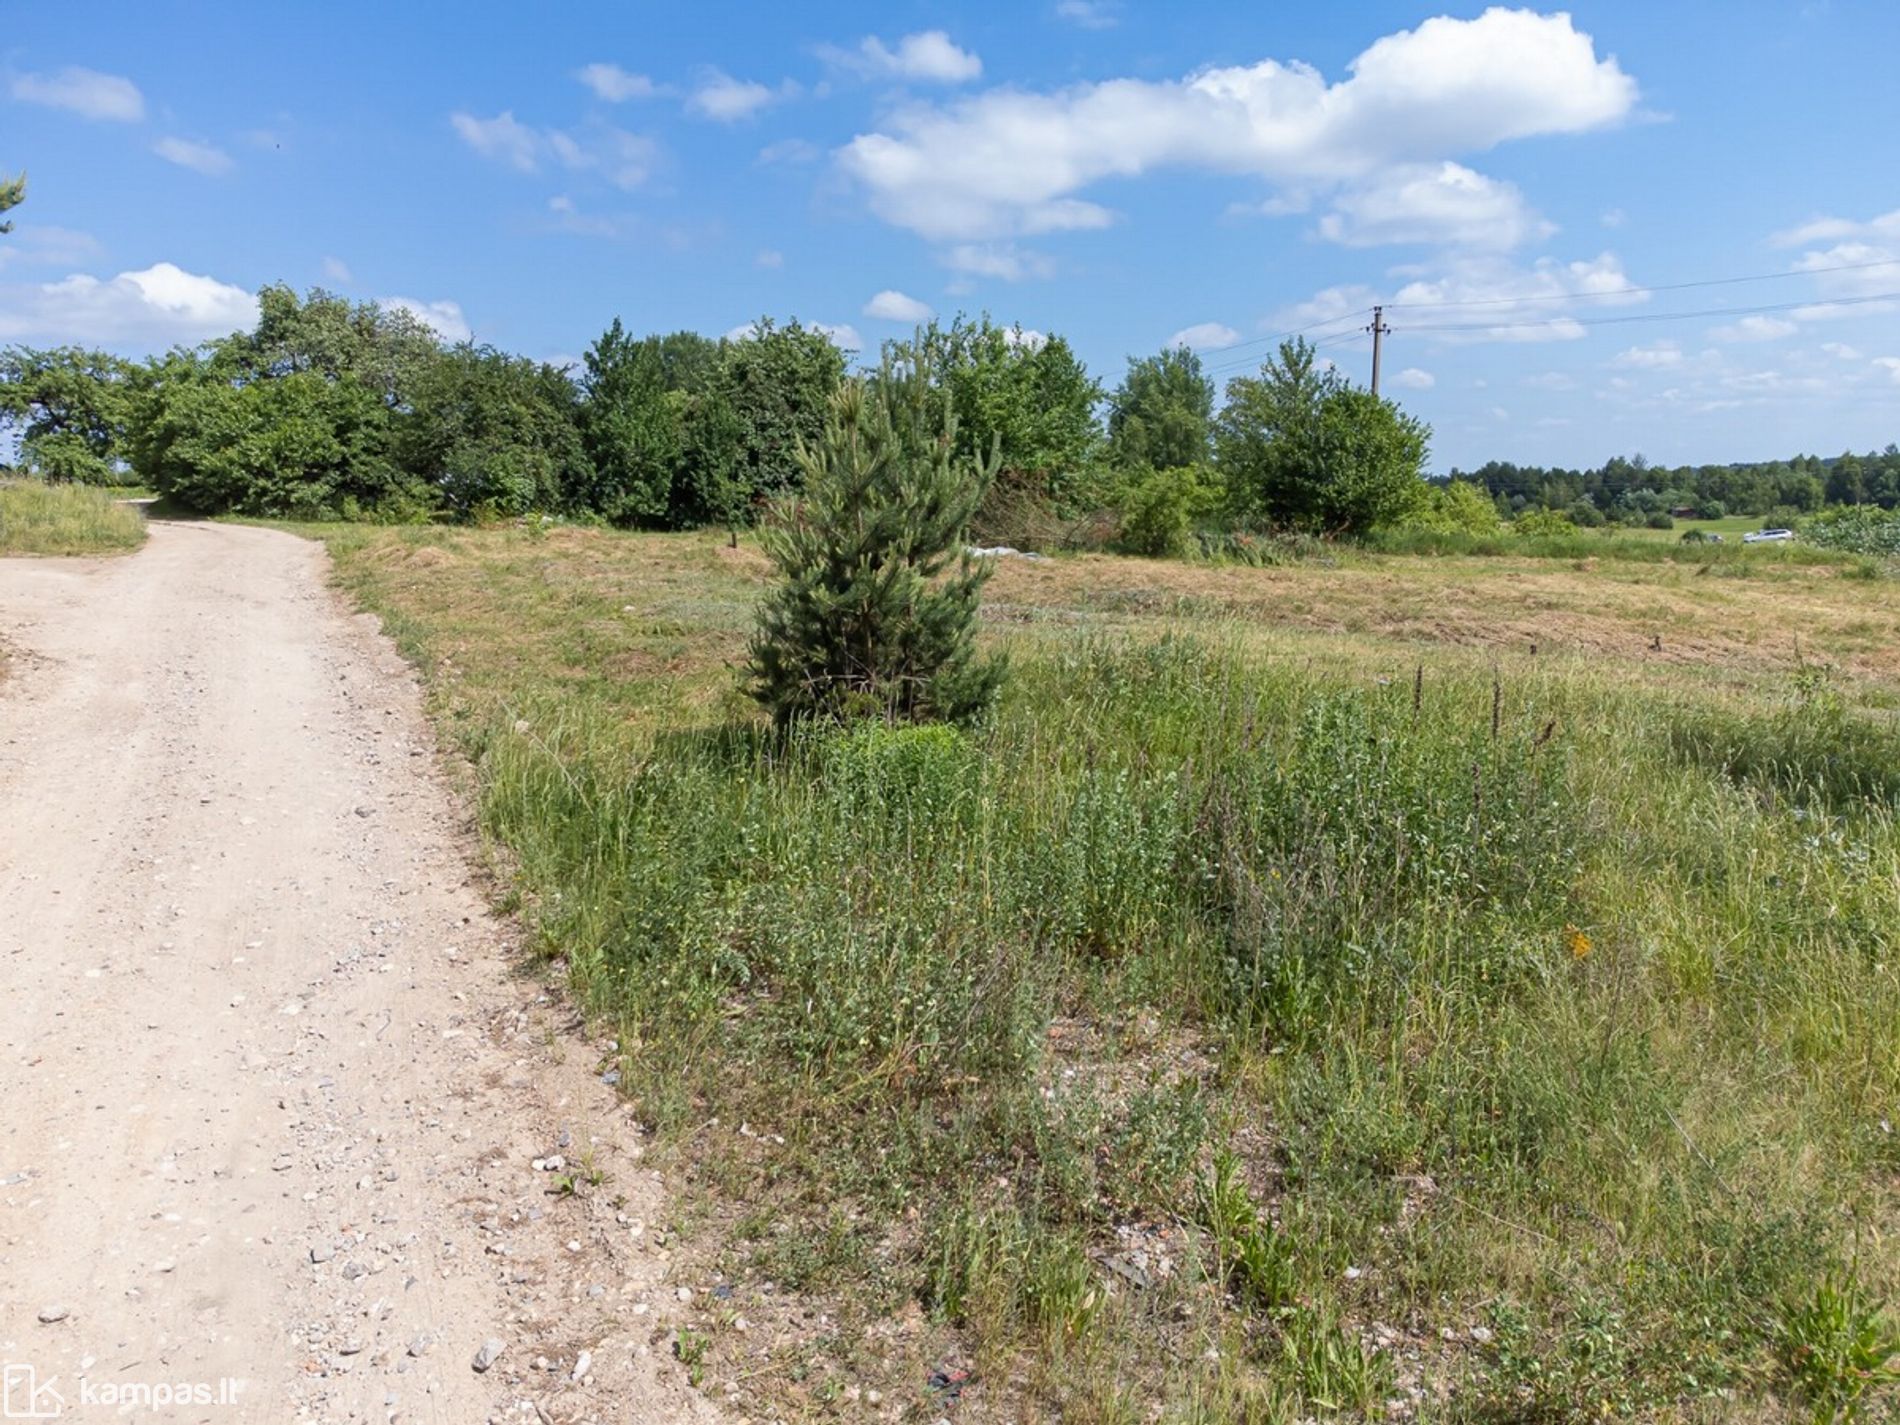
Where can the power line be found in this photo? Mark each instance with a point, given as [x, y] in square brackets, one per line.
[1357, 335]
[1638, 291]
[1552, 297]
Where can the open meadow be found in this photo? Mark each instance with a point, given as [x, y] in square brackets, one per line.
[1460, 987]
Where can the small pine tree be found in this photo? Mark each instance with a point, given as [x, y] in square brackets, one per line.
[12, 192]
[869, 617]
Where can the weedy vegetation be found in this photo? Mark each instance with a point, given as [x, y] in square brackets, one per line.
[1262, 1012]
[38, 518]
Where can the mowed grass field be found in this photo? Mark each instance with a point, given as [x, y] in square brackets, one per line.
[1377, 986]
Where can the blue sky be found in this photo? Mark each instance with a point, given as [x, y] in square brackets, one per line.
[1124, 172]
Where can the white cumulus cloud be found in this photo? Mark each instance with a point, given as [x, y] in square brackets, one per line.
[82, 91]
[1414, 379]
[929, 55]
[894, 306]
[335, 269]
[156, 306]
[1826, 229]
[503, 138]
[1004, 260]
[1657, 355]
[615, 85]
[1755, 328]
[843, 335]
[720, 97]
[1205, 336]
[624, 159]
[444, 318]
[1488, 298]
[204, 158]
[1088, 14]
[1009, 162]
[1444, 203]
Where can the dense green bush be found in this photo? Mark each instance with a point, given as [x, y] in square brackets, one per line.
[1299, 446]
[298, 445]
[490, 434]
[1159, 509]
[1454, 507]
[1858, 529]
[1538, 524]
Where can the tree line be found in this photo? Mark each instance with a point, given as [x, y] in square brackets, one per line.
[339, 410]
[1630, 489]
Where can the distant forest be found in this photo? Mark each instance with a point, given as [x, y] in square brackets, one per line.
[1630, 486]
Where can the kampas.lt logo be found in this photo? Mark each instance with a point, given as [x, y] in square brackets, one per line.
[26, 1397]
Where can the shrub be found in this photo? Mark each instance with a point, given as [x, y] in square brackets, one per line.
[863, 620]
[1456, 507]
[1543, 523]
[1858, 529]
[1660, 519]
[1299, 446]
[1585, 515]
[1159, 509]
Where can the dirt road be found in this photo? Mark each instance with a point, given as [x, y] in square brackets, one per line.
[272, 1089]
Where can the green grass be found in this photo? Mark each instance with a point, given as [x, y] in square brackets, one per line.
[1239, 1025]
[1618, 542]
[1730, 527]
[36, 518]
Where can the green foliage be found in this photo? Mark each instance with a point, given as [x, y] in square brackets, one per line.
[384, 350]
[867, 618]
[297, 418]
[1504, 1003]
[1161, 417]
[70, 407]
[1858, 529]
[1808, 746]
[1021, 396]
[298, 445]
[41, 518]
[1838, 1351]
[1159, 509]
[1455, 507]
[631, 430]
[12, 194]
[1251, 1258]
[1542, 524]
[777, 385]
[1301, 447]
[490, 434]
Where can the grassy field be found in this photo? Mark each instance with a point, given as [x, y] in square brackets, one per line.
[1730, 527]
[1455, 987]
[65, 519]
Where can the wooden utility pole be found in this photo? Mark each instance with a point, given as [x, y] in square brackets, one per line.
[1378, 330]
